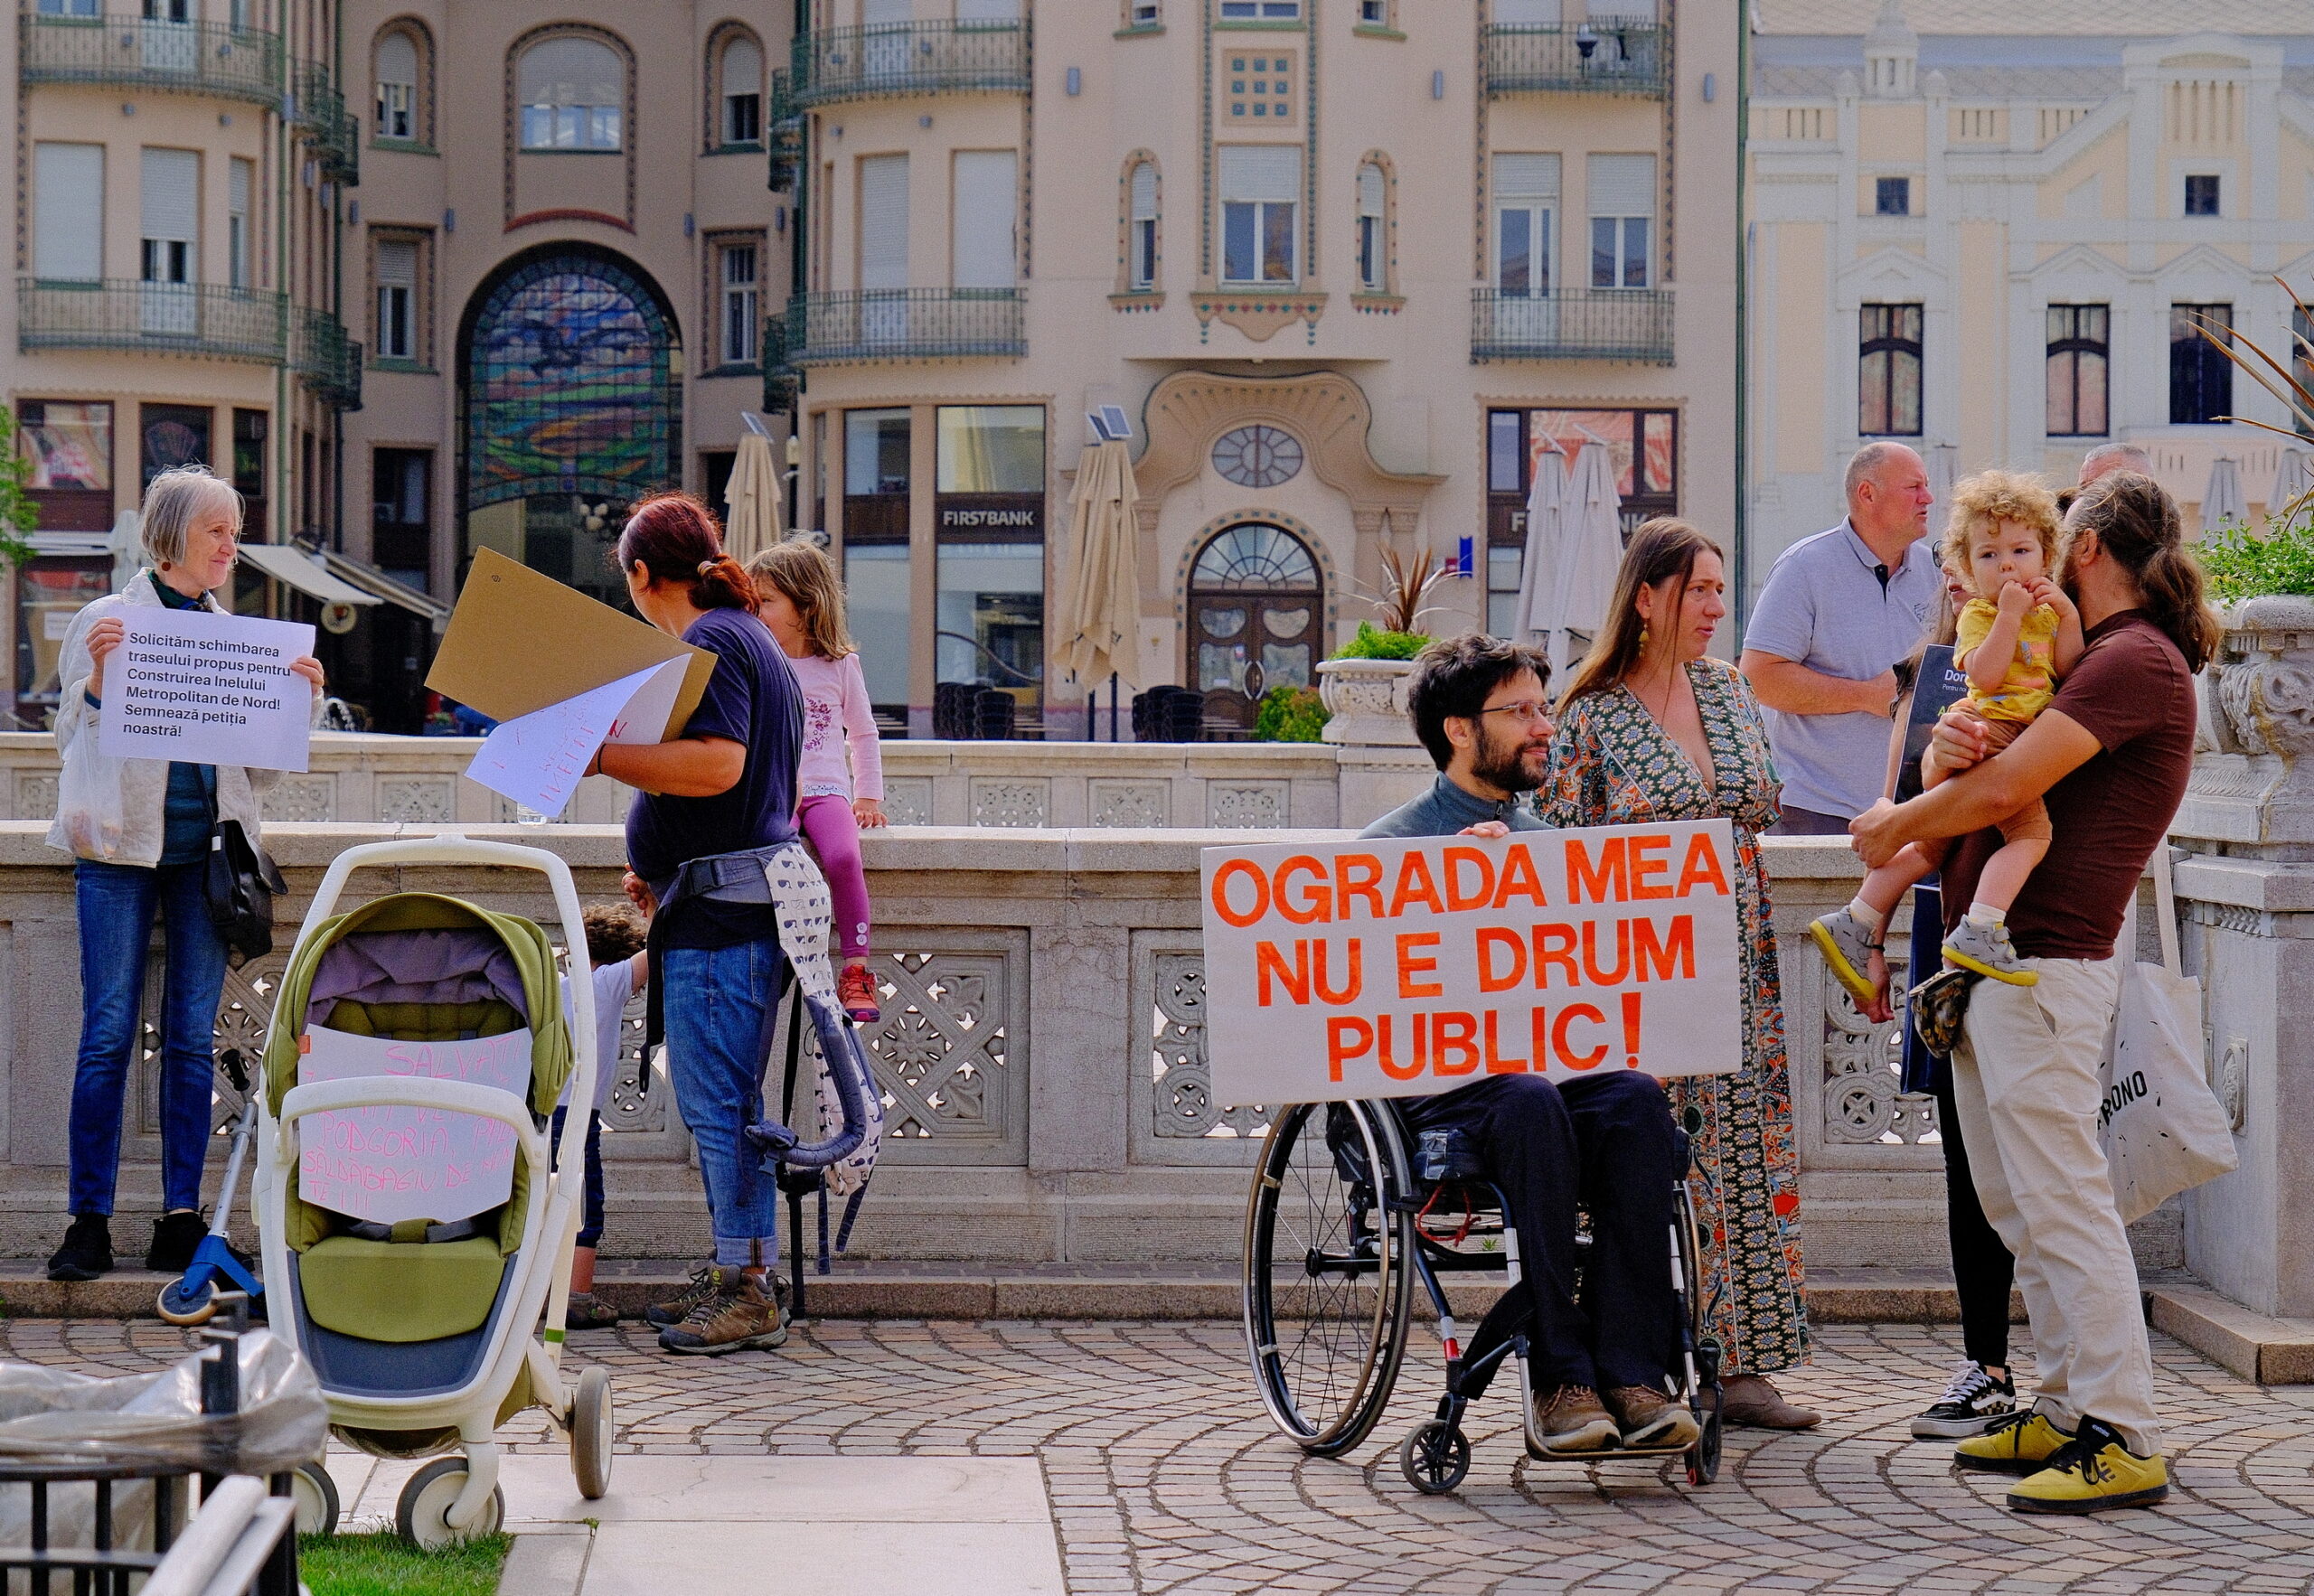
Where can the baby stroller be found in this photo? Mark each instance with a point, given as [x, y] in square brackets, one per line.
[430, 1297]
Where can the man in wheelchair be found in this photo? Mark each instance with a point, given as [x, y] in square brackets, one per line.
[1601, 1368]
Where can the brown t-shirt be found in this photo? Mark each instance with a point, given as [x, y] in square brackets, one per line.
[2131, 691]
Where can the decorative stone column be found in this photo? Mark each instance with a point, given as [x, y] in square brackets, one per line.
[2246, 893]
[1382, 763]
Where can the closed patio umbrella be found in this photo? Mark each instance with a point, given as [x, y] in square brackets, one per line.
[1590, 548]
[2293, 479]
[1097, 628]
[752, 500]
[2222, 500]
[1541, 559]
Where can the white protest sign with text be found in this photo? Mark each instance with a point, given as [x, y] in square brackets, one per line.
[537, 759]
[207, 688]
[391, 1164]
[1399, 967]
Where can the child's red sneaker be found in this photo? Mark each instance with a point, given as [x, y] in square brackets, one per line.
[855, 989]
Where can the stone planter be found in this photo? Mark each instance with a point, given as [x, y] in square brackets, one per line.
[2252, 785]
[1367, 700]
[1383, 764]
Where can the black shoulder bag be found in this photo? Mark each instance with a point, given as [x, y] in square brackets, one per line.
[240, 885]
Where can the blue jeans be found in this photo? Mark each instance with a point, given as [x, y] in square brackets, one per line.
[117, 904]
[720, 1004]
[591, 1225]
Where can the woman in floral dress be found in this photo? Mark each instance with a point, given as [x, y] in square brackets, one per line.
[1651, 729]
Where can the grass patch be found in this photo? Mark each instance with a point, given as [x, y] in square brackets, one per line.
[385, 1565]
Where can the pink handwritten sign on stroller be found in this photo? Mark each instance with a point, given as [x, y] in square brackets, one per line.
[390, 1164]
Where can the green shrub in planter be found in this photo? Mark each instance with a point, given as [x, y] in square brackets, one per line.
[2242, 564]
[1290, 715]
[1374, 644]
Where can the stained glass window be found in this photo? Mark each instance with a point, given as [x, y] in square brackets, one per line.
[571, 385]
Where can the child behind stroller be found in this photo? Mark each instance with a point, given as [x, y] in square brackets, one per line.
[615, 938]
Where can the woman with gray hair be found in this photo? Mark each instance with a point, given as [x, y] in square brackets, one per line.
[140, 829]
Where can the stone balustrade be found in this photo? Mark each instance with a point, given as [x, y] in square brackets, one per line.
[364, 778]
[1042, 1053]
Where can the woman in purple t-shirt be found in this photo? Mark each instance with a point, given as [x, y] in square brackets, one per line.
[726, 786]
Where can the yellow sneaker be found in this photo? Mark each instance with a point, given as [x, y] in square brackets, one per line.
[2018, 1444]
[2094, 1471]
[1847, 948]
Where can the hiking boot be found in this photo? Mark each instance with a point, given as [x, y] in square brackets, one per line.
[677, 1307]
[738, 1314]
[2018, 1444]
[86, 1252]
[587, 1311]
[1649, 1418]
[174, 1236]
[2093, 1471]
[1987, 949]
[1973, 1399]
[1749, 1399]
[1570, 1420]
[855, 989]
[1847, 949]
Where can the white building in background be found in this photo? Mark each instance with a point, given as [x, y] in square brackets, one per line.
[1986, 228]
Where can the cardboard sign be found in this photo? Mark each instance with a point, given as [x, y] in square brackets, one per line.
[391, 1164]
[1401, 967]
[538, 759]
[519, 643]
[207, 688]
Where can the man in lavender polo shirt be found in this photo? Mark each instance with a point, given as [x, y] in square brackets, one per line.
[1838, 609]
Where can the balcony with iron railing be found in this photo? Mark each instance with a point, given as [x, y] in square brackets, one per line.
[326, 360]
[904, 325]
[147, 53]
[160, 318]
[1605, 55]
[322, 119]
[1628, 325]
[907, 59]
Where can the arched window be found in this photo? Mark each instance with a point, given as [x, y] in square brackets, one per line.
[1256, 613]
[739, 90]
[400, 116]
[572, 91]
[1141, 228]
[1373, 228]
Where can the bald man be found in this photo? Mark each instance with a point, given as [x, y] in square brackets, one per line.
[2107, 458]
[1838, 610]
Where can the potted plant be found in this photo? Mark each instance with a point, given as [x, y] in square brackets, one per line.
[1364, 684]
[2257, 695]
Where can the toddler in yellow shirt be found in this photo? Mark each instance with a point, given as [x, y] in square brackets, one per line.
[2015, 640]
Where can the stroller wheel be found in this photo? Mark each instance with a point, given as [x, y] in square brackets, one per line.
[1703, 1457]
[1434, 1457]
[421, 1517]
[592, 1429]
[181, 1307]
[315, 1493]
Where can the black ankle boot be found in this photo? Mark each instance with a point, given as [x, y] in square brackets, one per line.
[86, 1252]
[174, 1236]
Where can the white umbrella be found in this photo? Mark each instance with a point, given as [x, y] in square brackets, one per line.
[2293, 479]
[1944, 469]
[2222, 500]
[1591, 546]
[1103, 577]
[1542, 558]
[752, 500]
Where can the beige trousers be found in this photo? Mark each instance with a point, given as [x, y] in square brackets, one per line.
[2025, 1084]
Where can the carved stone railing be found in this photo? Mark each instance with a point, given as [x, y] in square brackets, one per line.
[1042, 1055]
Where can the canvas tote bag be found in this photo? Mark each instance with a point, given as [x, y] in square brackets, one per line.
[2163, 1128]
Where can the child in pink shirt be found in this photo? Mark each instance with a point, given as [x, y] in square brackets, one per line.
[802, 604]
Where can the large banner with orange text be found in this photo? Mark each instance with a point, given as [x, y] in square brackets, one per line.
[1403, 966]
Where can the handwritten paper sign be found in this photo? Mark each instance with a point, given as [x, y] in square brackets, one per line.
[390, 1164]
[207, 690]
[1397, 968]
[537, 759]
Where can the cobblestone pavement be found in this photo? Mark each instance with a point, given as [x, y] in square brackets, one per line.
[1165, 1477]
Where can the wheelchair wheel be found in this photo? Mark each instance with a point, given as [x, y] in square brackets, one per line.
[1328, 1284]
[1435, 1457]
